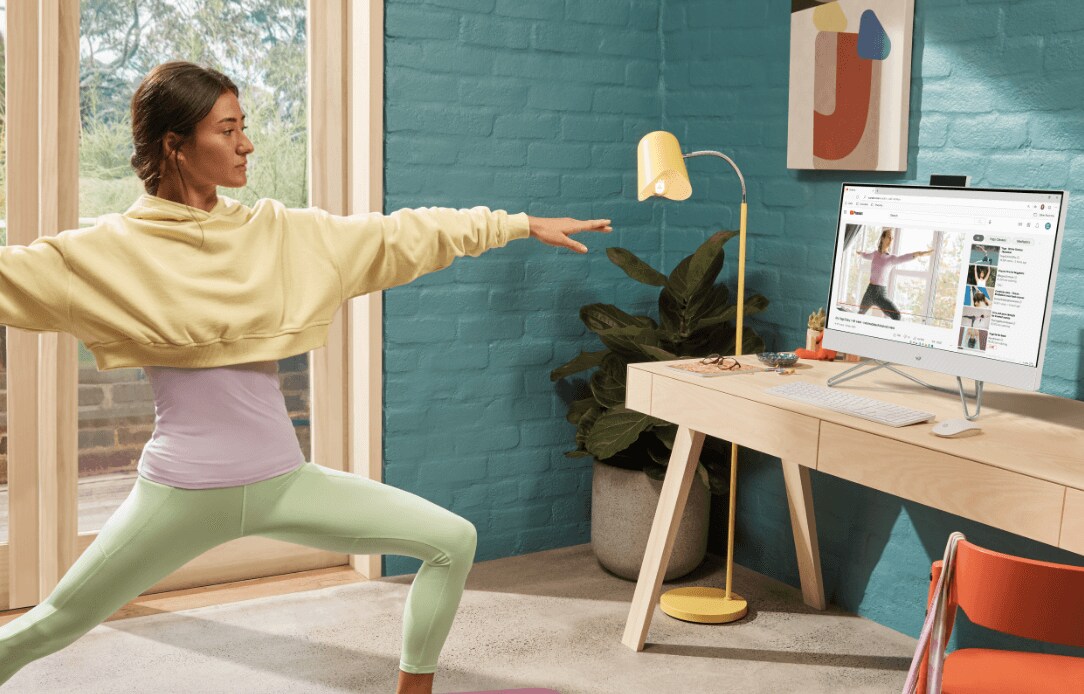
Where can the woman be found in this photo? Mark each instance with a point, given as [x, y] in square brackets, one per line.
[206, 294]
[982, 273]
[881, 263]
[979, 298]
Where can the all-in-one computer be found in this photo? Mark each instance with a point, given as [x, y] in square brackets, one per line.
[954, 280]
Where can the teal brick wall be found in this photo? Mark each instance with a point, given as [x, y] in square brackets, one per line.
[997, 92]
[537, 106]
[524, 106]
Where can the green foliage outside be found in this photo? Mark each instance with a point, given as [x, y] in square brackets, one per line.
[260, 44]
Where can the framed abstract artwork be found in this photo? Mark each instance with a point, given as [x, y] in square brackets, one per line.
[850, 76]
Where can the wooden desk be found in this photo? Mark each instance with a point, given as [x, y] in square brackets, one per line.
[1024, 473]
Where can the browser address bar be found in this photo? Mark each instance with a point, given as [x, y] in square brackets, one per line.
[956, 211]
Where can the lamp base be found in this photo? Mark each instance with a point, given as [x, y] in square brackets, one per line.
[703, 605]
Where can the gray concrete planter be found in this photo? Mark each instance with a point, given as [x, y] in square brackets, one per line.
[622, 510]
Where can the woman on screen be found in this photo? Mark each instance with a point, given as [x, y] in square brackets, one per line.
[979, 298]
[207, 294]
[982, 274]
[881, 263]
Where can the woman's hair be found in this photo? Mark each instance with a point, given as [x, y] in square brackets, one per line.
[173, 97]
[887, 233]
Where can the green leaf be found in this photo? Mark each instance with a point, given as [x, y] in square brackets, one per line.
[636, 268]
[753, 305]
[657, 450]
[629, 342]
[584, 361]
[698, 271]
[608, 383]
[586, 423]
[578, 408]
[659, 353]
[672, 314]
[616, 429]
[706, 304]
[598, 317]
[666, 432]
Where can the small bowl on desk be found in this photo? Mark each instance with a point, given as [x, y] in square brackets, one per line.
[778, 360]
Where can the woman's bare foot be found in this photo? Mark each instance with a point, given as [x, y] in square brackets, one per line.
[414, 684]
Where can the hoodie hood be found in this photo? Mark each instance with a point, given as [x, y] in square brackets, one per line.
[152, 208]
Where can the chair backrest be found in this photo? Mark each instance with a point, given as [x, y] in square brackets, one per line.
[1024, 597]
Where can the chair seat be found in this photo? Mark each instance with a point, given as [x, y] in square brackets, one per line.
[986, 671]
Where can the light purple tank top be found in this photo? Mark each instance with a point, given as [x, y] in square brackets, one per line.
[218, 427]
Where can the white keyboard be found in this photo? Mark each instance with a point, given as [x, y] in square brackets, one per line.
[849, 403]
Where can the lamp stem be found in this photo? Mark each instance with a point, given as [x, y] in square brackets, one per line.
[733, 446]
[713, 153]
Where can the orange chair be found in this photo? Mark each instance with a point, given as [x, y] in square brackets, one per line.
[1023, 597]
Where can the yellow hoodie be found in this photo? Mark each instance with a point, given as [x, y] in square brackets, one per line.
[260, 283]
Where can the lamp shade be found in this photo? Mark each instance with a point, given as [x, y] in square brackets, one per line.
[660, 168]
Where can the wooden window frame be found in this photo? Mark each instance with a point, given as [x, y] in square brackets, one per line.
[345, 54]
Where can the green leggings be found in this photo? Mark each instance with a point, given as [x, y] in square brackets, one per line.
[159, 528]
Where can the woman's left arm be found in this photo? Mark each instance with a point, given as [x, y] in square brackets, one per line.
[374, 251]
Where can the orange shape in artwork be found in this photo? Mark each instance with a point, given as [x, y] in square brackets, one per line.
[835, 135]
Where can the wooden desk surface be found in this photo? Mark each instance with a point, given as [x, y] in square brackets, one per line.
[1033, 434]
[1023, 473]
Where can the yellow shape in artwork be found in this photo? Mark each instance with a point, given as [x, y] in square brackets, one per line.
[829, 17]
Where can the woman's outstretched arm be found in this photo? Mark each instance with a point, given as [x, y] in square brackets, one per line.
[374, 251]
[34, 284]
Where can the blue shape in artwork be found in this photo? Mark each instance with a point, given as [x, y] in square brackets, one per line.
[873, 43]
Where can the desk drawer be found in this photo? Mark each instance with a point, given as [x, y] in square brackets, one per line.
[771, 430]
[984, 493]
[1072, 527]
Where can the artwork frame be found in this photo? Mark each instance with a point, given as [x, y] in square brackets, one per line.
[850, 81]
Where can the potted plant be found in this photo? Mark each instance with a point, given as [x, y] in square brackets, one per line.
[631, 449]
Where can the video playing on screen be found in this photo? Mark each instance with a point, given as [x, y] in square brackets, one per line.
[964, 271]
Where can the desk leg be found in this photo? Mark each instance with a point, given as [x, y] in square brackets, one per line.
[804, 524]
[675, 492]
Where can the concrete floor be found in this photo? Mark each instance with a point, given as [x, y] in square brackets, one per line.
[550, 619]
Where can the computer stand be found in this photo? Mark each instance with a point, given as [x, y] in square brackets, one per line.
[866, 365]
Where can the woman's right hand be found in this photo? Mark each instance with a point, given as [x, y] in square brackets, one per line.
[555, 231]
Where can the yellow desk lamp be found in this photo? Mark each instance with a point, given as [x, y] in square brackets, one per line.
[661, 173]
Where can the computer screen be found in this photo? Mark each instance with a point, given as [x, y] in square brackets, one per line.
[956, 280]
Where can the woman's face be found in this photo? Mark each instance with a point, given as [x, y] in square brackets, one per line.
[886, 241]
[216, 153]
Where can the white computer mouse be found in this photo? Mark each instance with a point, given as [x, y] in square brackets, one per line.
[955, 427]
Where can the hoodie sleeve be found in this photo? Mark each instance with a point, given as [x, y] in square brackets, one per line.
[34, 283]
[375, 251]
